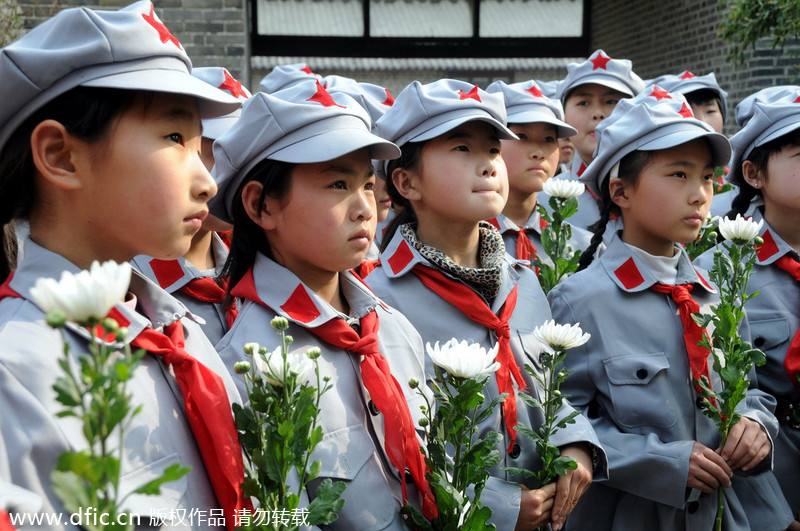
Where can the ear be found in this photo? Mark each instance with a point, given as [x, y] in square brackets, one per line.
[751, 175]
[55, 152]
[407, 183]
[251, 199]
[618, 192]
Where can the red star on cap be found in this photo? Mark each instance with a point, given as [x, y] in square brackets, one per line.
[660, 94]
[535, 90]
[472, 94]
[163, 32]
[687, 75]
[232, 85]
[323, 98]
[389, 101]
[686, 112]
[797, 100]
[599, 61]
[307, 70]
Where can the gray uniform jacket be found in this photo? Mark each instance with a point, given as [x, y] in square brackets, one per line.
[352, 447]
[172, 275]
[632, 380]
[774, 319]
[32, 436]
[438, 320]
[533, 229]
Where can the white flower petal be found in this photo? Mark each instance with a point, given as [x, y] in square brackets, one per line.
[563, 188]
[462, 359]
[273, 369]
[739, 230]
[560, 337]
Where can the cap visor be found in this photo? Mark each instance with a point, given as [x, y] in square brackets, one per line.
[503, 132]
[720, 147]
[211, 101]
[333, 144]
[563, 129]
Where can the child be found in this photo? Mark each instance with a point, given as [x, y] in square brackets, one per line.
[530, 161]
[764, 167]
[710, 105]
[285, 76]
[296, 181]
[589, 93]
[100, 139]
[655, 163]
[448, 272]
[191, 278]
[375, 100]
[565, 146]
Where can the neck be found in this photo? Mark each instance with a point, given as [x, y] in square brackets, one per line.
[460, 242]
[520, 207]
[201, 253]
[785, 223]
[328, 287]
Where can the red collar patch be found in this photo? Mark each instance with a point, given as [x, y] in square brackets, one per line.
[401, 257]
[167, 272]
[768, 248]
[629, 274]
[300, 307]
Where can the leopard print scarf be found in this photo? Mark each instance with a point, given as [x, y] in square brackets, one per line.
[486, 279]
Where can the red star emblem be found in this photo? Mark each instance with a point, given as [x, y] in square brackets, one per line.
[687, 75]
[163, 32]
[535, 90]
[660, 94]
[600, 61]
[686, 111]
[472, 94]
[233, 86]
[389, 101]
[307, 70]
[323, 98]
[797, 100]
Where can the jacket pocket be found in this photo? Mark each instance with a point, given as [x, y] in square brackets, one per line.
[769, 333]
[640, 390]
[162, 508]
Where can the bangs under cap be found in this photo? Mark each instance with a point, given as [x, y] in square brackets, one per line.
[125, 49]
[422, 112]
[285, 76]
[687, 82]
[526, 103]
[764, 116]
[601, 69]
[374, 99]
[301, 124]
[653, 120]
[219, 77]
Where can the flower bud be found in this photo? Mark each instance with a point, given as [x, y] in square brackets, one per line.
[289, 340]
[758, 240]
[241, 367]
[413, 383]
[250, 348]
[717, 253]
[423, 422]
[279, 323]
[109, 324]
[121, 333]
[56, 318]
[313, 353]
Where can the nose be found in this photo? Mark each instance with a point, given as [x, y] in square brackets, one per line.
[364, 205]
[488, 167]
[700, 194]
[599, 112]
[203, 185]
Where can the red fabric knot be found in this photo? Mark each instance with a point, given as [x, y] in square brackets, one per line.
[474, 307]
[791, 363]
[525, 248]
[206, 289]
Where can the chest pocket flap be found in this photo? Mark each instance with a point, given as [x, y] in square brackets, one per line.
[637, 369]
[769, 333]
[343, 452]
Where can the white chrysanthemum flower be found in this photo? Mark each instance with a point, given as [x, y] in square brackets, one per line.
[86, 295]
[560, 337]
[563, 188]
[739, 230]
[272, 368]
[462, 359]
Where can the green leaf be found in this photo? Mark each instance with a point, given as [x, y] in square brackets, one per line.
[323, 510]
[173, 472]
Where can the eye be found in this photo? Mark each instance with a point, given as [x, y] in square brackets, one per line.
[522, 136]
[461, 148]
[339, 185]
[709, 177]
[175, 137]
[583, 103]
[369, 185]
[612, 101]
[550, 139]
[679, 175]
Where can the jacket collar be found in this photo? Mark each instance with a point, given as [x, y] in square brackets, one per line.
[773, 247]
[172, 275]
[504, 224]
[628, 272]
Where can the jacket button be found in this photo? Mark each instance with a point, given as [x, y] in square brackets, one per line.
[409, 476]
[699, 402]
[373, 408]
[692, 507]
[641, 374]
[758, 342]
[515, 451]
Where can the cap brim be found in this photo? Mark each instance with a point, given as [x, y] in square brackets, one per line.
[606, 81]
[777, 130]
[720, 146]
[563, 129]
[448, 125]
[211, 101]
[214, 128]
[333, 144]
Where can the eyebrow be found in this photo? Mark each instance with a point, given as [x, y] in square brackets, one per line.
[684, 163]
[458, 135]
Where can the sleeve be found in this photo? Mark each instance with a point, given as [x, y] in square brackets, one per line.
[627, 453]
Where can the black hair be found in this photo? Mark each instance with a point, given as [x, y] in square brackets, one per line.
[87, 113]
[703, 96]
[630, 166]
[759, 157]
[410, 157]
[248, 237]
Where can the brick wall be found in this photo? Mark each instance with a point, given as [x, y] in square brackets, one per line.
[213, 32]
[669, 36]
